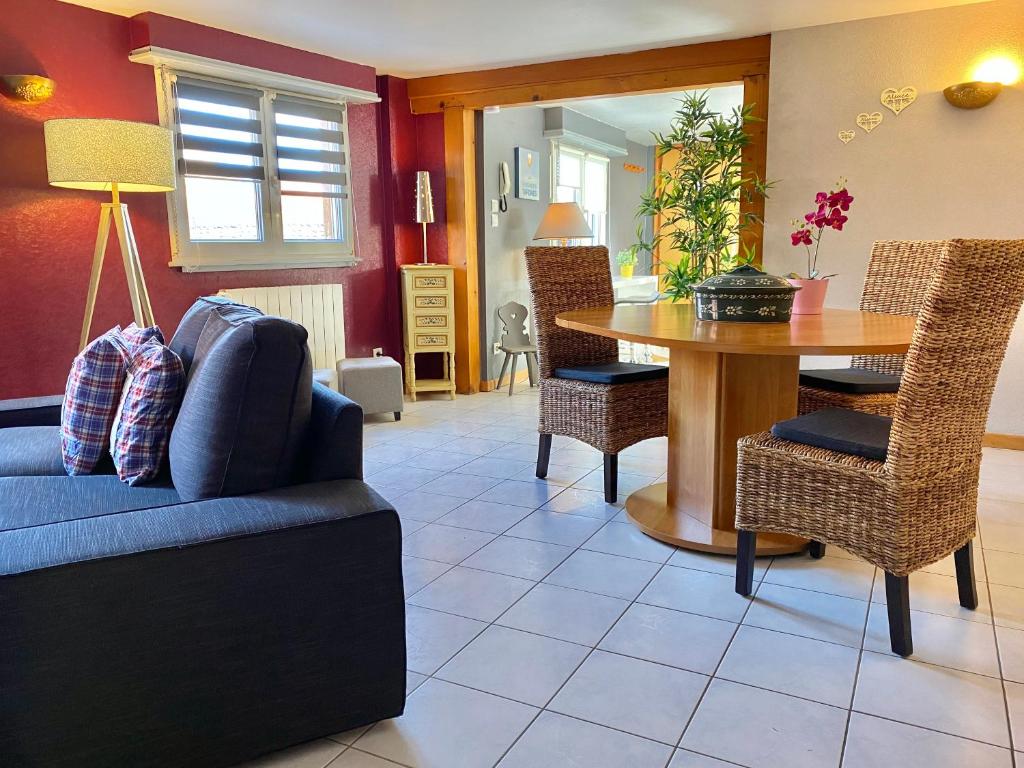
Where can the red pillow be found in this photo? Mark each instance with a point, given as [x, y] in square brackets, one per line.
[153, 388]
[91, 398]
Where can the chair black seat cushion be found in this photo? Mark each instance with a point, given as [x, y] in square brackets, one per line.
[852, 381]
[613, 373]
[839, 429]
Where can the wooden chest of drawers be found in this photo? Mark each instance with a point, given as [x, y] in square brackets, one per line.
[428, 312]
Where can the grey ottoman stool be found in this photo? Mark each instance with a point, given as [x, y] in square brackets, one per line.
[375, 383]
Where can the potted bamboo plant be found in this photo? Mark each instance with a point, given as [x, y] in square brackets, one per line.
[696, 201]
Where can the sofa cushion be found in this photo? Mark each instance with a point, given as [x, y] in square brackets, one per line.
[613, 373]
[154, 384]
[30, 451]
[35, 452]
[839, 429]
[853, 381]
[27, 502]
[246, 408]
[186, 337]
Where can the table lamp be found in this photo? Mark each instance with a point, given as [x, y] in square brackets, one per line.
[119, 156]
[424, 206]
[563, 222]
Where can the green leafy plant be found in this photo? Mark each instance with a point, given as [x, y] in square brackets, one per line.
[627, 257]
[697, 200]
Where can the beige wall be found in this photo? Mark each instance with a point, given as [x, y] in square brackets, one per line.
[932, 172]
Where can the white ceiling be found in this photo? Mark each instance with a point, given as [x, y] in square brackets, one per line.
[641, 114]
[422, 37]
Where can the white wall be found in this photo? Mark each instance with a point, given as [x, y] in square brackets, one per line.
[932, 172]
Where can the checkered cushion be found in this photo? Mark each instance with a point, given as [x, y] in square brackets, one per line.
[91, 397]
[153, 388]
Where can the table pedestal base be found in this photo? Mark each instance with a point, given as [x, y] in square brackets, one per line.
[649, 510]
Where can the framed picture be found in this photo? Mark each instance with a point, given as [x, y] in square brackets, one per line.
[527, 174]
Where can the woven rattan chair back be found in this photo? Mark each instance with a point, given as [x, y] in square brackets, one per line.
[563, 279]
[898, 275]
[962, 332]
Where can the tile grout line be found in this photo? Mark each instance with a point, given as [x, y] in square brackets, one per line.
[565, 682]
[856, 673]
[999, 661]
[714, 673]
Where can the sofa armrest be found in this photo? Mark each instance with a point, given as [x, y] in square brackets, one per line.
[334, 443]
[31, 412]
[201, 633]
[182, 524]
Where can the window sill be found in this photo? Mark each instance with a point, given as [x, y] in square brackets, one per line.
[256, 265]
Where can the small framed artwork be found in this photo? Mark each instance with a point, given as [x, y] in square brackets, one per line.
[527, 174]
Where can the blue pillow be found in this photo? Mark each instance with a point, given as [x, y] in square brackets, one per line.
[246, 409]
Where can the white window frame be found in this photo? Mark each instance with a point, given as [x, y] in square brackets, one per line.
[584, 154]
[273, 251]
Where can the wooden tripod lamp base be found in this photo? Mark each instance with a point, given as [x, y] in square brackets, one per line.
[141, 307]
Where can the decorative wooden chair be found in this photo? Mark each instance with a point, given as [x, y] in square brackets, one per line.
[585, 392]
[901, 492]
[898, 275]
[516, 341]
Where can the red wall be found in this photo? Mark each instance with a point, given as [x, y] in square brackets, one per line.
[47, 234]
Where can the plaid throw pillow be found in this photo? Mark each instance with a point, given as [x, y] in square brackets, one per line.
[91, 398]
[153, 389]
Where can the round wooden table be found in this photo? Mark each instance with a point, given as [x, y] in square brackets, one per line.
[727, 380]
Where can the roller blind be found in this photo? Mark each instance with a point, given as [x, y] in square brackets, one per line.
[310, 148]
[218, 130]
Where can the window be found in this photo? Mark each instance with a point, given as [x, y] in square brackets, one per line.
[263, 177]
[582, 177]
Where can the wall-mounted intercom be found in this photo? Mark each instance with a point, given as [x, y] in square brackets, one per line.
[504, 186]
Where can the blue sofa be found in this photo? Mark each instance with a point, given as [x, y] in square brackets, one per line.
[139, 629]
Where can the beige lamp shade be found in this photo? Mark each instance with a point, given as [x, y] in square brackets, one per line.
[563, 221]
[94, 154]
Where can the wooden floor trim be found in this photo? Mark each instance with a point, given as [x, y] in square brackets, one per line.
[997, 440]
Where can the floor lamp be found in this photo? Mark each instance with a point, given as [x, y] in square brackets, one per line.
[115, 156]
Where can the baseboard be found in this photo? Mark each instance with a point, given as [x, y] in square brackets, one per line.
[996, 440]
[489, 385]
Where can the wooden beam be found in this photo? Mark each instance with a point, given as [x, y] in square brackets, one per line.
[460, 194]
[661, 69]
[755, 159]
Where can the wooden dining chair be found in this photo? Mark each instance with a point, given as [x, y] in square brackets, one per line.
[585, 392]
[515, 341]
[899, 492]
[898, 275]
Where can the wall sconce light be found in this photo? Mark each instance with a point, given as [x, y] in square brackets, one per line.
[28, 89]
[989, 78]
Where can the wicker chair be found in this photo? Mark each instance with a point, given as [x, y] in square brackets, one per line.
[919, 504]
[609, 417]
[896, 281]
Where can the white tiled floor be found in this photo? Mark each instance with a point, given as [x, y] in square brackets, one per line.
[545, 631]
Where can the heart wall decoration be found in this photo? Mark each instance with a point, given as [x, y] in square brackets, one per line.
[898, 99]
[846, 136]
[869, 121]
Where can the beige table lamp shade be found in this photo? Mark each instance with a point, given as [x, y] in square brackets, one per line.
[94, 154]
[563, 221]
